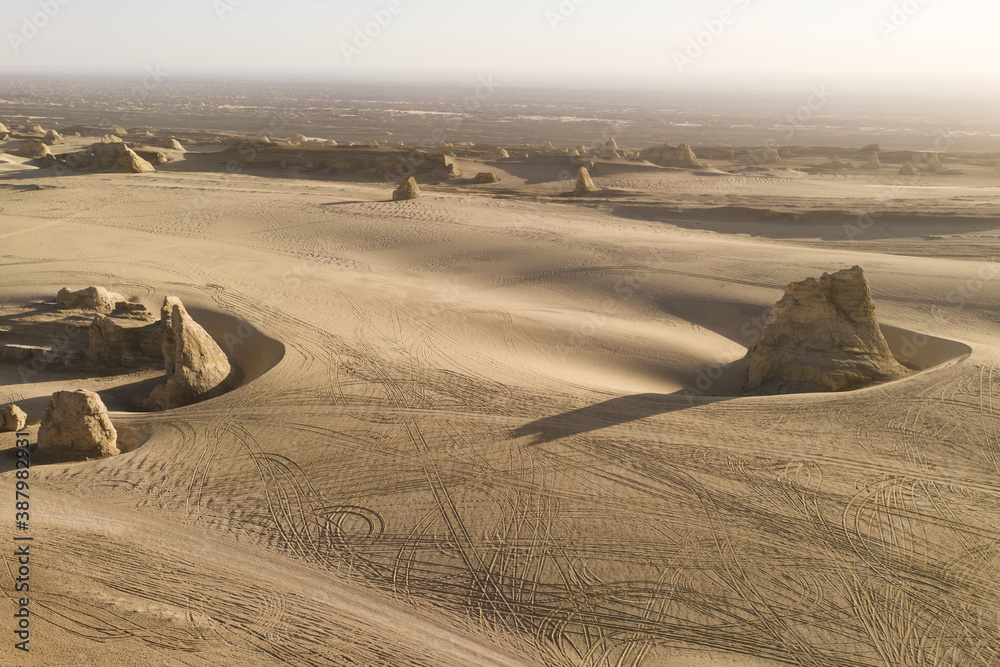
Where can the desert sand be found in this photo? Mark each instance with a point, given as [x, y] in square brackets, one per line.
[502, 425]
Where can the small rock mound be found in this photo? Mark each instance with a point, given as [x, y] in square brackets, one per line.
[96, 299]
[872, 148]
[33, 128]
[485, 178]
[168, 142]
[768, 156]
[78, 422]
[933, 162]
[13, 418]
[111, 139]
[907, 170]
[107, 156]
[131, 337]
[584, 183]
[33, 150]
[873, 162]
[196, 365]
[684, 157]
[497, 153]
[4, 131]
[408, 189]
[823, 334]
[52, 138]
[610, 151]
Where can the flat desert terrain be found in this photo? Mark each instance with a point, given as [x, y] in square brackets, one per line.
[503, 425]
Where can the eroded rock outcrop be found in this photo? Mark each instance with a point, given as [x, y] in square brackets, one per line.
[584, 183]
[823, 335]
[105, 156]
[497, 153]
[168, 142]
[130, 337]
[33, 150]
[907, 170]
[196, 366]
[77, 422]
[408, 189]
[97, 299]
[13, 418]
[873, 162]
[52, 138]
[682, 156]
[485, 178]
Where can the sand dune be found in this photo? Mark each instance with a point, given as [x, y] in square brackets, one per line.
[503, 426]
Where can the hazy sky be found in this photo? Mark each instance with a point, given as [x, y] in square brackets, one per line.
[643, 38]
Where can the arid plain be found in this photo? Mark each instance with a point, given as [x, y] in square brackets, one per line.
[504, 425]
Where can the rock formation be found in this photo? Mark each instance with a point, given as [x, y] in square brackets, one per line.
[105, 156]
[131, 337]
[196, 365]
[497, 153]
[684, 157]
[873, 162]
[96, 299]
[584, 183]
[907, 170]
[823, 334]
[33, 128]
[111, 139]
[872, 148]
[768, 156]
[610, 150]
[408, 189]
[52, 138]
[933, 162]
[486, 177]
[78, 422]
[168, 142]
[33, 150]
[13, 418]
[4, 131]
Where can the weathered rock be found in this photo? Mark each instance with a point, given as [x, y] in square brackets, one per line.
[107, 156]
[610, 150]
[4, 131]
[486, 177]
[872, 148]
[13, 418]
[130, 338]
[78, 422]
[497, 153]
[584, 183]
[548, 146]
[168, 142]
[768, 156]
[823, 334]
[119, 130]
[111, 139]
[96, 299]
[684, 157]
[52, 138]
[33, 150]
[154, 158]
[196, 365]
[907, 170]
[873, 162]
[408, 189]
[33, 128]
[933, 162]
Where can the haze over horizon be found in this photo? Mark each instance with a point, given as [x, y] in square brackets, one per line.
[573, 40]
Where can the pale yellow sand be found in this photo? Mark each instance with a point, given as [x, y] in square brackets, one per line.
[485, 442]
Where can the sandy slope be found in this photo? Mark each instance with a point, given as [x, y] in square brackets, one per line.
[485, 442]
